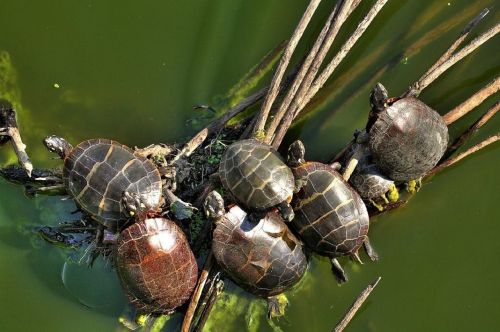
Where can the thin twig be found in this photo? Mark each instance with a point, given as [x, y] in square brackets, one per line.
[472, 129]
[327, 72]
[475, 148]
[218, 124]
[415, 89]
[195, 298]
[466, 50]
[472, 102]
[302, 73]
[280, 70]
[356, 305]
[216, 288]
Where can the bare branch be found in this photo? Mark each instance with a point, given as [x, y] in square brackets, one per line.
[472, 102]
[280, 70]
[454, 160]
[356, 305]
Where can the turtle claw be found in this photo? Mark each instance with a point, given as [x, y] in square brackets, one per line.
[370, 251]
[378, 206]
[276, 306]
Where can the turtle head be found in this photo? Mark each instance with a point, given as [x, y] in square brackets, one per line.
[296, 153]
[132, 204]
[378, 97]
[214, 205]
[57, 145]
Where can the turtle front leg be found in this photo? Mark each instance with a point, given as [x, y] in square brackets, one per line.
[369, 250]
[286, 211]
[338, 270]
[276, 306]
[413, 186]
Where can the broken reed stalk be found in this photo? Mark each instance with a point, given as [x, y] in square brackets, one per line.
[327, 72]
[472, 102]
[195, 298]
[10, 129]
[216, 288]
[356, 305]
[453, 59]
[218, 124]
[415, 90]
[457, 158]
[472, 129]
[313, 60]
[283, 64]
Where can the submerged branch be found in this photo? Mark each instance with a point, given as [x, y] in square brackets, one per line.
[356, 305]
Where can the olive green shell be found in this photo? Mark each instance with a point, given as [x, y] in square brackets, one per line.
[330, 216]
[263, 257]
[407, 139]
[255, 174]
[98, 171]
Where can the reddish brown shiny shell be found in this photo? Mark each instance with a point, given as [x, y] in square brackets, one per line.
[156, 267]
[263, 257]
[330, 216]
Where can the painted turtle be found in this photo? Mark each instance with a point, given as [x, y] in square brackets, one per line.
[330, 216]
[97, 172]
[368, 180]
[256, 176]
[154, 262]
[407, 138]
[262, 256]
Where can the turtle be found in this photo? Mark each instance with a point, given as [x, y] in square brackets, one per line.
[262, 256]
[97, 172]
[406, 137]
[257, 177]
[368, 180]
[153, 260]
[330, 216]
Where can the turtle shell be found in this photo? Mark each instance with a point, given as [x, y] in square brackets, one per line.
[263, 257]
[155, 265]
[367, 178]
[330, 216]
[255, 174]
[408, 139]
[98, 171]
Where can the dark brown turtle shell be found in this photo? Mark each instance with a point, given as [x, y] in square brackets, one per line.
[367, 179]
[330, 216]
[263, 257]
[155, 265]
[407, 139]
[255, 174]
[98, 171]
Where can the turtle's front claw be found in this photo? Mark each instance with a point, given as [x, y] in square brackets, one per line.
[413, 186]
[276, 306]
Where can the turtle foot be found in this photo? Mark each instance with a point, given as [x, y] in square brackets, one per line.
[413, 186]
[338, 271]
[276, 306]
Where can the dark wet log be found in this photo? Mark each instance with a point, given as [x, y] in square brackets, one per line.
[356, 305]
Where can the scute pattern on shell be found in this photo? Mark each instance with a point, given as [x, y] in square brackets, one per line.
[255, 174]
[98, 171]
[367, 178]
[330, 216]
[265, 258]
[156, 267]
[408, 139]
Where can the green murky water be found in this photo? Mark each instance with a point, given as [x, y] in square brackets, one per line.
[131, 72]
